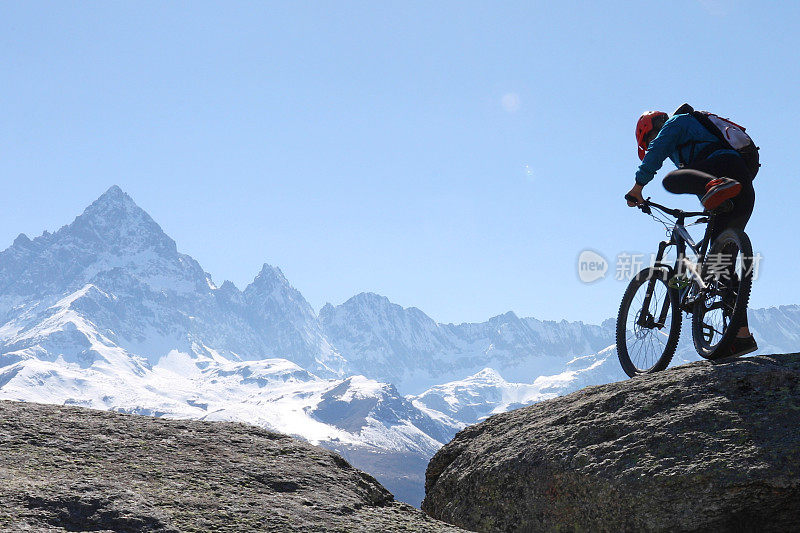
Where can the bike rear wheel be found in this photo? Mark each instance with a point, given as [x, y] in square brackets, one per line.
[648, 323]
[718, 311]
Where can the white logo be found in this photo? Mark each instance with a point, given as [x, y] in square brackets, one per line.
[591, 266]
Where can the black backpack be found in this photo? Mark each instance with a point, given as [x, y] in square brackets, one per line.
[731, 136]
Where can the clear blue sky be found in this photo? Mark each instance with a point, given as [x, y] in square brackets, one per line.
[454, 156]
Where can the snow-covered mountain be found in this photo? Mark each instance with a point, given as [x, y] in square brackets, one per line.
[408, 348]
[106, 313]
[114, 270]
[777, 329]
[273, 393]
[485, 393]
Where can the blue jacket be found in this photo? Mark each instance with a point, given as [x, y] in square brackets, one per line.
[681, 138]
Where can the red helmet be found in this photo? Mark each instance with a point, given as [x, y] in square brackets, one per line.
[649, 123]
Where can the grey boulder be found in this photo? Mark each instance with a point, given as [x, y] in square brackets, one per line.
[75, 469]
[700, 447]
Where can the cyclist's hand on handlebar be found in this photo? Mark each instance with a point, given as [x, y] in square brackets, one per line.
[634, 196]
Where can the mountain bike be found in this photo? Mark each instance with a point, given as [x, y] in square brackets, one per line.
[713, 287]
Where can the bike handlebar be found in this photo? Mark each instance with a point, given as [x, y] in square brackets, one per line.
[677, 213]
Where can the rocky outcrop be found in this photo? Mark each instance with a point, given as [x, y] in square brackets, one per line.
[74, 469]
[701, 447]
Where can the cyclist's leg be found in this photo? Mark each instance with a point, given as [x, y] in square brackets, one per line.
[693, 179]
[743, 205]
[738, 217]
[687, 181]
[731, 166]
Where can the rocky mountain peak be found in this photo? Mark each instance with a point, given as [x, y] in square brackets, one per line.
[114, 221]
[366, 301]
[114, 200]
[113, 231]
[270, 276]
[114, 194]
[270, 288]
[21, 240]
[229, 287]
[369, 298]
[507, 317]
[370, 303]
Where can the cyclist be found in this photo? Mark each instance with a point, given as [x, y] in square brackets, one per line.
[705, 168]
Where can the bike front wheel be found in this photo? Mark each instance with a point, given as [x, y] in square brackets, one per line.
[648, 323]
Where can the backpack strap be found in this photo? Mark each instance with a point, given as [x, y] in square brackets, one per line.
[680, 149]
[703, 119]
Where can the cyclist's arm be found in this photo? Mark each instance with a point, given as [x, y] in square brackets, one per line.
[664, 144]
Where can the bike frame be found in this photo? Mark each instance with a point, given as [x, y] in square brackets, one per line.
[681, 239]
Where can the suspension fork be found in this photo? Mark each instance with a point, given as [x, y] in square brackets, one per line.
[651, 284]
